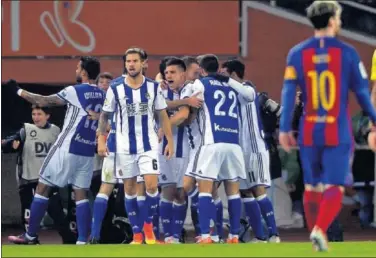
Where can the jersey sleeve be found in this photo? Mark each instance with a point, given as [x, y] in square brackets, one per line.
[359, 84]
[373, 67]
[69, 94]
[290, 84]
[160, 101]
[110, 101]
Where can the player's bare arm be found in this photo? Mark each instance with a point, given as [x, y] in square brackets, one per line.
[166, 127]
[179, 117]
[193, 101]
[191, 117]
[42, 101]
[102, 130]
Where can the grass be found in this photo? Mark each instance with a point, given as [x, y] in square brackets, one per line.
[344, 249]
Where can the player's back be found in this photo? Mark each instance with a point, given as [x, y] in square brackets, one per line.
[219, 114]
[79, 132]
[251, 132]
[323, 69]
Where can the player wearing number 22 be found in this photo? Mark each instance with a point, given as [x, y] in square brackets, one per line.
[325, 69]
[70, 160]
[219, 156]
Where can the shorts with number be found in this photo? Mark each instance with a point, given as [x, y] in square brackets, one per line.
[257, 170]
[61, 168]
[220, 161]
[192, 162]
[172, 171]
[133, 165]
[108, 170]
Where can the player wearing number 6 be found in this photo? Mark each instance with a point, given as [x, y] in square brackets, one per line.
[219, 156]
[325, 69]
[70, 159]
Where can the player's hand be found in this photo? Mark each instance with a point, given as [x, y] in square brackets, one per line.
[169, 150]
[13, 86]
[287, 140]
[372, 140]
[194, 101]
[160, 135]
[164, 85]
[93, 115]
[102, 146]
[15, 144]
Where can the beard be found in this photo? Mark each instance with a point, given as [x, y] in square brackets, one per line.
[78, 79]
[133, 75]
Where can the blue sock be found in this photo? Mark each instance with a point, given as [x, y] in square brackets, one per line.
[143, 210]
[234, 210]
[83, 215]
[130, 203]
[178, 211]
[166, 212]
[37, 210]
[253, 213]
[99, 211]
[219, 216]
[213, 217]
[152, 204]
[156, 222]
[193, 195]
[267, 212]
[205, 206]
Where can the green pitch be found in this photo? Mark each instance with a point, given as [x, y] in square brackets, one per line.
[354, 249]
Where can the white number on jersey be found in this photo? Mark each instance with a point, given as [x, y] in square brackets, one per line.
[93, 124]
[218, 94]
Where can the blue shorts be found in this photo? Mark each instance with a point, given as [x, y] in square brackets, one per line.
[325, 164]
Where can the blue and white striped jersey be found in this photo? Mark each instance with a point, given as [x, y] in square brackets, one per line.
[134, 115]
[79, 132]
[252, 134]
[179, 134]
[218, 117]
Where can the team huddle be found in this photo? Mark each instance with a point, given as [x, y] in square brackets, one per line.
[174, 140]
[181, 135]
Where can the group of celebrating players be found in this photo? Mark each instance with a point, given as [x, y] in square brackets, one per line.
[197, 127]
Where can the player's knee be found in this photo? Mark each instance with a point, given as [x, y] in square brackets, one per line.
[205, 186]
[259, 190]
[130, 186]
[42, 189]
[231, 187]
[80, 194]
[106, 189]
[169, 192]
[180, 196]
[188, 184]
[314, 187]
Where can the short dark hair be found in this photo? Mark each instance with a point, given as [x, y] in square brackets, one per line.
[105, 75]
[209, 63]
[178, 62]
[235, 66]
[136, 50]
[44, 109]
[188, 60]
[162, 65]
[91, 65]
[320, 12]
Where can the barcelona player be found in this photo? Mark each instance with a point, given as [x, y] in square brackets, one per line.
[325, 69]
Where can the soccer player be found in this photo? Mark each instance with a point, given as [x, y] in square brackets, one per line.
[172, 209]
[325, 69]
[219, 155]
[70, 159]
[256, 156]
[133, 102]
